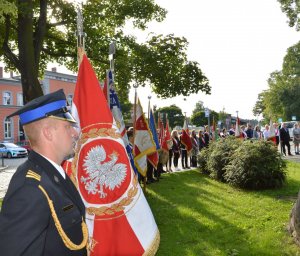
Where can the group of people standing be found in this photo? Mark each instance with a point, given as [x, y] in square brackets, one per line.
[281, 135]
[169, 162]
[179, 150]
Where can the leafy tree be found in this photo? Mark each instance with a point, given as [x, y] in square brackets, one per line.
[199, 118]
[259, 107]
[292, 10]
[43, 31]
[282, 97]
[7, 8]
[175, 116]
[222, 116]
[199, 107]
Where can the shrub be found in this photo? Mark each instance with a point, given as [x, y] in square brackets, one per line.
[213, 159]
[256, 165]
[202, 159]
[220, 153]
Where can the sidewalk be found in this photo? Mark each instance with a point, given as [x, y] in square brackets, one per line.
[5, 177]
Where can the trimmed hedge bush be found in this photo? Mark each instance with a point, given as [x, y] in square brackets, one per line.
[245, 164]
[213, 159]
[256, 165]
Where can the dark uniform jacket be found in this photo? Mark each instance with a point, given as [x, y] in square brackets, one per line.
[26, 224]
[284, 135]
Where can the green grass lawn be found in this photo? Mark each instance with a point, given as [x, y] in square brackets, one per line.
[199, 216]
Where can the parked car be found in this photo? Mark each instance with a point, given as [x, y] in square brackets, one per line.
[24, 144]
[10, 150]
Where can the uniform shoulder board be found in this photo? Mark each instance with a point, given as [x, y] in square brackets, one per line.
[33, 175]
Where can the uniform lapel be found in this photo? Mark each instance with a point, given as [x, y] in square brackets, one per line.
[66, 184]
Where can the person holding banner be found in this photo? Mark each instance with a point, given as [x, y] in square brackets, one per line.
[175, 148]
[42, 211]
[195, 149]
[184, 156]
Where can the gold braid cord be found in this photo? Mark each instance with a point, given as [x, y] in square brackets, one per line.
[68, 243]
[115, 208]
[151, 251]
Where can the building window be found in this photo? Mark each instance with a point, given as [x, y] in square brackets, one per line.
[7, 99]
[20, 99]
[70, 99]
[7, 128]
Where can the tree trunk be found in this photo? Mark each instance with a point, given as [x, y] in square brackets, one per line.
[28, 66]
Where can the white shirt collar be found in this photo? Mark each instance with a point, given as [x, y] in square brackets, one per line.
[57, 167]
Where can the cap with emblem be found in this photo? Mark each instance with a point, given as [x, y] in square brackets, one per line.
[52, 105]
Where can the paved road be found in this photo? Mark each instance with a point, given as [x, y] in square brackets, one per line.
[6, 173]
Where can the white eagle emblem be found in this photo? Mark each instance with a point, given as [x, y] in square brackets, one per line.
[108, 174]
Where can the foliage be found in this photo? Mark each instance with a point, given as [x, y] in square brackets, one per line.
[47, 31]
[199, 118]
[256, 165]
[198, 107]
[203, 158]
[174, 113]
[214, 159]
[281, 100]
[223, 116]
[200, 216]
[7, 8]
[259, 107]
[292, 10]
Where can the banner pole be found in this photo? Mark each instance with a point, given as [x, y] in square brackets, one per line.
[80, 37]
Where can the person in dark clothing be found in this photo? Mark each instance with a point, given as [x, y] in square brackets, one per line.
[201, 140]
[175, 148]
[184, 157]
[151, 172]
[195, 149]
[249, 131]
[169, 163]
[276, 133]
[42, 212]
[206, 136]
[285, 139]
[232, 130]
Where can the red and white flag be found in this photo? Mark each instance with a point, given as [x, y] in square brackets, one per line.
[167, 140]
[119, 219]
[143, 141]
[272, 136]
[185, 137]
[238, 133]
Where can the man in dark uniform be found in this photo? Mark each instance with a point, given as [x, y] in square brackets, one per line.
[42, 212]
[285, 139]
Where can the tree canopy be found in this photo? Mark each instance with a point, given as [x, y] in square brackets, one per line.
[174, 113]
[198, 107]
[199, 119]
[281, 100]
[292, 10]
[43, 31]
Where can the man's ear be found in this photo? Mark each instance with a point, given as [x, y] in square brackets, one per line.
[47, 131]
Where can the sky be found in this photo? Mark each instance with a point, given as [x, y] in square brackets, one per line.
[237, 43]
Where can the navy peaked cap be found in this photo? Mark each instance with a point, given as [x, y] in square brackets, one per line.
[50, 105]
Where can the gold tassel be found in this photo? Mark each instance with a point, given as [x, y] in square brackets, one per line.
[68, 243]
